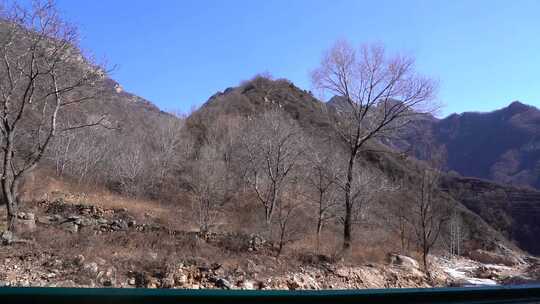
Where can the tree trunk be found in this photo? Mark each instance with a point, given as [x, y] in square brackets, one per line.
[320, 220]
[425, 262]
[403, 236]
[268, 222]
[347, 223]
[12, 217]
[281, 241]
[347, 229]
[11, 202]
[319, 229]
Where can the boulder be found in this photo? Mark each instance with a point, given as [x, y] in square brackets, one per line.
[47, 220]
[119, 225]
[222, 283]
[180, 279]
[70, 227]
[7, 237]
[85, 222]
[26, 222]
[102, 221]
[28, 216]
[107, 278]
[79, 260]
[403, 261]
[484, 272]
[5, 283]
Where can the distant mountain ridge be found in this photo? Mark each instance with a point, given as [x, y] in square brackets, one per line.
[502, 145]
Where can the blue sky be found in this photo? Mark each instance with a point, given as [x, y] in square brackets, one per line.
[177, 53]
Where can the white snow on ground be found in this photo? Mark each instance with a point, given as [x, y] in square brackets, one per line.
[500, 267]
[482, 282]
[460, 274]
[462, 270]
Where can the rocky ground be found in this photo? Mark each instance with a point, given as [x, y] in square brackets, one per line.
[76, 259]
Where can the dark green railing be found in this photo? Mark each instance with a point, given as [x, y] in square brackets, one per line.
[518, 294]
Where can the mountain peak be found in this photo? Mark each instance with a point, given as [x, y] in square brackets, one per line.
[518, 107]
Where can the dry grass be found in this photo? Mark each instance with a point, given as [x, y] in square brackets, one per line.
[44, 185]
[370, 245]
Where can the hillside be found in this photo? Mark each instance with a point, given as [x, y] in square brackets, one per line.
[513, 211]
[144, 244]
[138, 118]
[230, 196]
[478, 145]
[502, 145]
[253, 97]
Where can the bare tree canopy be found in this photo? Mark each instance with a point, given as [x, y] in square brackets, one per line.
[322, 183]
[378, 95]
[42, 80]
[429, 214]
[273, 144]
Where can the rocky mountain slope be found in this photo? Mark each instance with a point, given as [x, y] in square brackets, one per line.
[496, 158]
[503, 145]
[512, 210]
[259, 94]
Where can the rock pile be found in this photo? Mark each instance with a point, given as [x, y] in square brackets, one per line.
[74, 217]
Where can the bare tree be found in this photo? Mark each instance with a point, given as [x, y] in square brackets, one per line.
[323, 188]
[397, 214]
[79, 154]
[208, 185]
[130, 164]
[125, 159]
[44, 76]
[225, 135]
[287, 229]
[166, 146]
[457, 233]
[60, 150]
[429, 214]
[273, 144]
[367, 186]
[380, 95]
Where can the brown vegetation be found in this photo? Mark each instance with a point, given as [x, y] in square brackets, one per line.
[260, 180]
